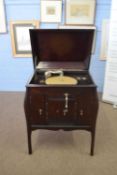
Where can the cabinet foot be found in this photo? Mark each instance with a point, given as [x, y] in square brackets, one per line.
[29, 142]
[92, 142]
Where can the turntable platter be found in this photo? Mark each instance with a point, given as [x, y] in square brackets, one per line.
[61, 80]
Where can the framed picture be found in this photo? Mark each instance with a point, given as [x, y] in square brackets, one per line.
[104, 40]
[80, 12]
[2, 17]
[51, 11]
[20, 37]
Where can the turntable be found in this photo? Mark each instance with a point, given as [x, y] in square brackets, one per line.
[61, 80]
[61, 93]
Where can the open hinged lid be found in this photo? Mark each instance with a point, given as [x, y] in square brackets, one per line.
[62, 48]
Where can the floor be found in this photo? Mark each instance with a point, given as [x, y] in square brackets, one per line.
[55, 152]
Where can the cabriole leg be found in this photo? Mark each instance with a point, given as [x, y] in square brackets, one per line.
[92, 142]
[29, 142]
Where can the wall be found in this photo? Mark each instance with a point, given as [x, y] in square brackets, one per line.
[14, 72]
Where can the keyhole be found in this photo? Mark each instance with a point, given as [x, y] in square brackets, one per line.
[81, 112]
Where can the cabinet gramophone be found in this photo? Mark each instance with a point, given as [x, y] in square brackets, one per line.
[61, 93]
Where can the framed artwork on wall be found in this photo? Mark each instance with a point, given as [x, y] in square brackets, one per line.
[80, 12]
[2, 17]
[104, 40]
[51, 11]
[20, 37]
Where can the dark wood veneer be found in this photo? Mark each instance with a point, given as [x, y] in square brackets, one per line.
[67, 107]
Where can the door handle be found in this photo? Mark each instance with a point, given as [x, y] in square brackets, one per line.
[66, 100]
[40, 111]
[81, 112]
[65, 111]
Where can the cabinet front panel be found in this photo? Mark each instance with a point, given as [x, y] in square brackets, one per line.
[86, 107]
[37, 109]
[63, 105]
[61, 109]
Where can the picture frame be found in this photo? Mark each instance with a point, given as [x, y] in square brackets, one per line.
[51, 11]
[20, 38]
[2, 18]
[80, 12]
[104, 40]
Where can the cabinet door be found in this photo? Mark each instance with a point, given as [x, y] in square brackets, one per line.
[61, 108]
[85, 108]
[37, 109]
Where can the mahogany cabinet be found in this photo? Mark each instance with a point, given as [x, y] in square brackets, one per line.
[56, 106]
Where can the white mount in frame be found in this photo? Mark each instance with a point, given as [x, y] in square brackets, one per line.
[80, 12]
[20, 37]
[51, 11]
